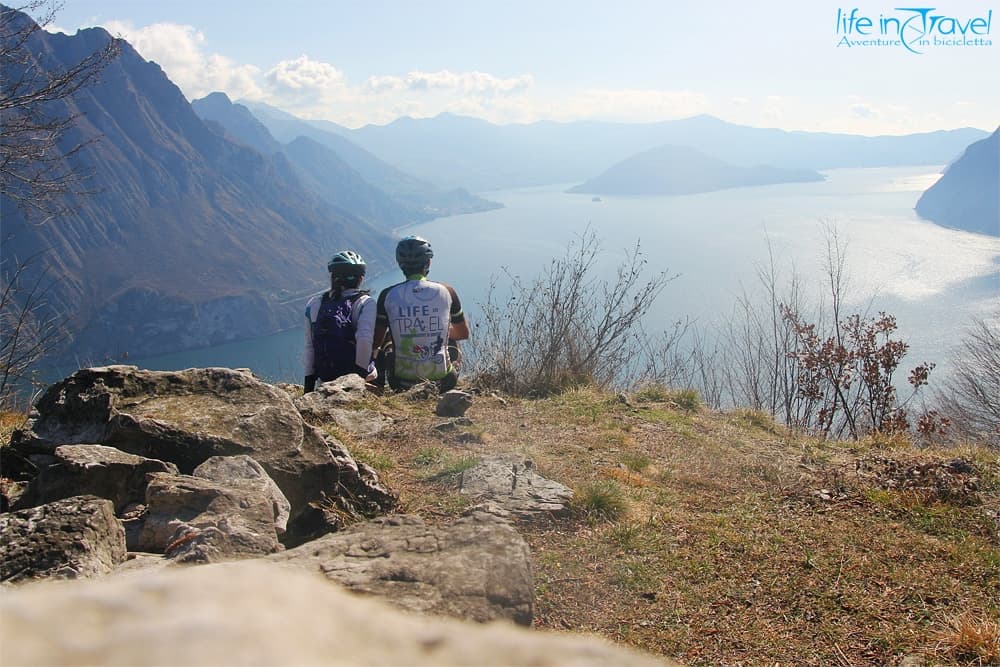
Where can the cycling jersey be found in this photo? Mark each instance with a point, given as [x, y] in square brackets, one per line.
[363, 318]
[418, 313]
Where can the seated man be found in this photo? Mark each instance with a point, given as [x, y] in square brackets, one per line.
[425, 320]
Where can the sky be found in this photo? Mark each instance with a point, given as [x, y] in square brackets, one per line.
[788, 64]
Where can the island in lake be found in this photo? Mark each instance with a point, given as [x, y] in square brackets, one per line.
[681, 170]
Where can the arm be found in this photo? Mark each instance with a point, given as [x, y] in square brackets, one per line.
[381, 323]
[364, 333]
[459, 331]
[458, 328]
[308, 355]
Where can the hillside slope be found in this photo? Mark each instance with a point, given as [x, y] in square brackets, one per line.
[188, 239]
[967, 196]
[721, 538]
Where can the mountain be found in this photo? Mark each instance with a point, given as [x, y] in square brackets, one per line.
[472, 153]
[678, 170]
[967, 196]
[189, 239]
[398, 184]
[237, 122]
[319, 168]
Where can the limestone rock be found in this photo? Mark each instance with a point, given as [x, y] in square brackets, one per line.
[453, 403]
[510, 481]
[364, 423]
[186, 417]
[254, 613]
[198, 520]
[65, 539]
[478, 568]
[243, 472]
[317, 404]
[95, 470]
[422, 391]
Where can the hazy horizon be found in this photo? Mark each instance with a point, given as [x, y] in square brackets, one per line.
[779, 65]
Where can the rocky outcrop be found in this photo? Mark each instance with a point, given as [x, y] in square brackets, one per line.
[187, 417]
[478, 568]
[255, 613]
[511, 482]
[65, 539]
[95, 470]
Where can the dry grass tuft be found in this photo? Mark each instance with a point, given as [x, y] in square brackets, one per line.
[10, 422]
[971, 638]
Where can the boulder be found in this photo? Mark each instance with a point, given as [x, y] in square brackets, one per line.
[478, 568]
[252, 613]
[453, 403]
[511, 482]
[193, 519]
[187, 417]
[345, 389]
[422, 391]
[95, 470]
[65, 539]
[243, 472]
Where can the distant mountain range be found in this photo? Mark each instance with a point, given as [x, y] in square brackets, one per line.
[455, 151]
[419, 196]
[191, 239]
[678, 170]
[967, 196]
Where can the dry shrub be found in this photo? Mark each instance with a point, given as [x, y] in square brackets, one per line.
[565, 327]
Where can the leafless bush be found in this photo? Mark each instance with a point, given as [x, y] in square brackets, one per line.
[28, 334]
[971, 396]
[35, 172]
[565, 327]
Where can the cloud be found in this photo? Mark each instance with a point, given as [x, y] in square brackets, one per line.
[305, 76]
[180, 51]
[864, 110]
[473, 83]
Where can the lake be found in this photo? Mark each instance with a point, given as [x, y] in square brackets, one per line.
[934, 280]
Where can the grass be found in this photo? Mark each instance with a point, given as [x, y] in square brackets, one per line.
[636, 461]
[450, 467]
[700, 536]
[603, 500]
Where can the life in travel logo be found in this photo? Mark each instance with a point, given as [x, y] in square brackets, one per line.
[916, 29]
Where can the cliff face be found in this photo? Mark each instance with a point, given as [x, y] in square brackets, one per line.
[188, 237]
[967, 196]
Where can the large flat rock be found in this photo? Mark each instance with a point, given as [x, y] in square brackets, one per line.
[478, 568]
[253, 613]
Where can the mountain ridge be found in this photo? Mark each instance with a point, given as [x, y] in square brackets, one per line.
[189, 239]
[458, 151]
